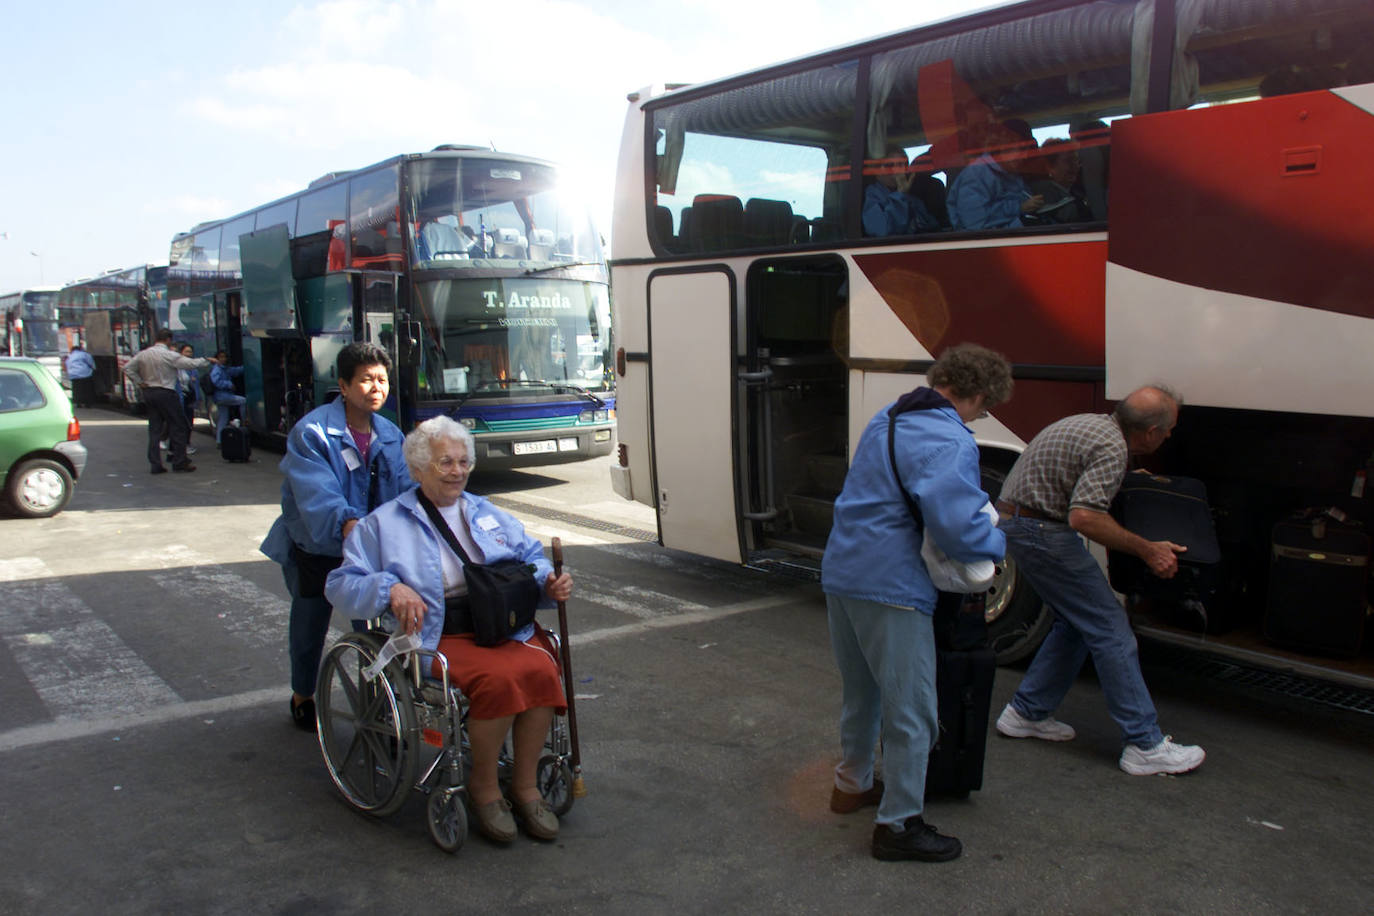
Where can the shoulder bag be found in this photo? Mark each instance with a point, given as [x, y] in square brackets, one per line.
[502, 597]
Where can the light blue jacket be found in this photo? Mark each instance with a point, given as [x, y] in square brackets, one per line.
[223, 379]
[80, 364]
[874, 551]
[320, 490]
[986, 196]
[397, 543]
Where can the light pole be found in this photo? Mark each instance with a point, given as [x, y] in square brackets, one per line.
[40, 266]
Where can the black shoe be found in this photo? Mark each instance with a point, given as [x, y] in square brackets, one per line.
[918, 841]
[303, 714]
[158, 469]
[184, 467]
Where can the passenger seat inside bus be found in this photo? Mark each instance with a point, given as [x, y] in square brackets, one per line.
[441, 242]
[767, 223]
[717, 222]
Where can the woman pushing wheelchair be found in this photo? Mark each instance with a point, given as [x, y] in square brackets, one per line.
[404, 566]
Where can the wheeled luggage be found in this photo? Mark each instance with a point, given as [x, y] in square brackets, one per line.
[1318, 574]
[1168, 508]
[234, 444]
[964, 671]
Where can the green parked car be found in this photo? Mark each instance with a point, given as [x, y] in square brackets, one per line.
[41, 454]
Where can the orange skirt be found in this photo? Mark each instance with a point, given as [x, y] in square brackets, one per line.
[504, 680]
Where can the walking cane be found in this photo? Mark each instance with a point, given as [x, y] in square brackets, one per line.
[579, 788]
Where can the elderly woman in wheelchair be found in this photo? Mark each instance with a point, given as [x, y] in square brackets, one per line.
[399, 569]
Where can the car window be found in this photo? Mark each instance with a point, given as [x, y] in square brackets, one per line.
[18, 391]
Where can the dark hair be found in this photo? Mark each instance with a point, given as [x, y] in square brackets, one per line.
[163, 334]
[968, 370]
[219, 353]
[359, 354]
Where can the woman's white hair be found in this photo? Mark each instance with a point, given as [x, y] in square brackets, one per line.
[419, 444]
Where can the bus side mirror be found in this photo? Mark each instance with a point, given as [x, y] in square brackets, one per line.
[408, 345]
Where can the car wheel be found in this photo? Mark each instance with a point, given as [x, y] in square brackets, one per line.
[39, 488]
[1018, 620]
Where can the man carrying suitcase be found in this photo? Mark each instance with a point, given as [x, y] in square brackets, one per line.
[880, 597]
[1061, 488]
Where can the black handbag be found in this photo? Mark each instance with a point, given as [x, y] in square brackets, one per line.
[502, 597]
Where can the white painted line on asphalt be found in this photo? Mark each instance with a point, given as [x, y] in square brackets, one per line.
[643, 603]
[250, 612]
[21, 568]
[686, 619]
[48, 732]
[78, 664]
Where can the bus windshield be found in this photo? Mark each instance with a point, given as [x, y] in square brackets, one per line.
[513, 337]
[40, 324]
[485, 213]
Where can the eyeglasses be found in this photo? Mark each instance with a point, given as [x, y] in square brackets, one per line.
[448, 464]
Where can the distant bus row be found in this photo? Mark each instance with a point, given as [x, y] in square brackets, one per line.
[485, 282]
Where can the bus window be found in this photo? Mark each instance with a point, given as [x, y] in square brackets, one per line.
[374, 226]
[317, 245]
[205, 260]
[977, 105]
[735, 175]
[284, 212]
[1236, 50]
[230, 263]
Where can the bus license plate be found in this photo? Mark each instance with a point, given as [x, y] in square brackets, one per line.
[534, 448]
[567, 445]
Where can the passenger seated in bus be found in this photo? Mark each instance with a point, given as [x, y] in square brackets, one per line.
[1059, 159]
[990, 193]
[1095, 164]
[889, 206]
[438, 241]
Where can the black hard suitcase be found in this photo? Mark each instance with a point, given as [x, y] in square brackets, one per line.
[1317, 600]
[234, 444]
[1168, 508]
[964, 671]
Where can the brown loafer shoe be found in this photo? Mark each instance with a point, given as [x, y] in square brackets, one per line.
[842, 802]
[538, 819]
[494, 820]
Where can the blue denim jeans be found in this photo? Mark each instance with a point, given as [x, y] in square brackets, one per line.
[886, 657]
[224, 401]
[306, 633]
[1088, 620]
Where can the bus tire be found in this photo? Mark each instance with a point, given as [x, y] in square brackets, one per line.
[1017, 619]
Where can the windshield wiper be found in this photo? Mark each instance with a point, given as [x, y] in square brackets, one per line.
[539, 270]
[499, 383]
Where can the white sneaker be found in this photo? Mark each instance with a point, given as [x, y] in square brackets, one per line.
[1164, 757]
[1014, 725]
[191, 450]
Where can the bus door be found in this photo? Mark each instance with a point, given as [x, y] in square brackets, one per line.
[795, 392]
[375, 308]
[691, 410]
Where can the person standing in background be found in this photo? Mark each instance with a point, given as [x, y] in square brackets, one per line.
[154, 372]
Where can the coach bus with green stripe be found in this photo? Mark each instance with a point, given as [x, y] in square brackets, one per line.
[476, 270]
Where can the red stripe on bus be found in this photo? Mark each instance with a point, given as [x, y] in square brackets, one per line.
[1269, 199]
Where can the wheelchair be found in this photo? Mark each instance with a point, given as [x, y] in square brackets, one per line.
[405, 730]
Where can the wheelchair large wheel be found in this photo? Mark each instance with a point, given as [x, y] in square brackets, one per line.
[366, 727]
[554, 779]
[448, 819]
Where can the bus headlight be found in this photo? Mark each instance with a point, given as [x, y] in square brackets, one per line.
[469, 422]
[593, 416]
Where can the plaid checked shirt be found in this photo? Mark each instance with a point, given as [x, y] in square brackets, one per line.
[1074, 463]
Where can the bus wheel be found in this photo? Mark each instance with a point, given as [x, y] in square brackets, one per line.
[1017, 619]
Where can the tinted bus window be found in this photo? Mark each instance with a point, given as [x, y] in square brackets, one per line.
[230, 264]
[374, 226]
[1024, 121]
[757, 167]
[284, 212]
[205, 260]
[318, 245]
[1241, 50]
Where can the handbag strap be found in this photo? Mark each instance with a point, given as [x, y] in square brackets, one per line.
[442, 526]
[916, 515]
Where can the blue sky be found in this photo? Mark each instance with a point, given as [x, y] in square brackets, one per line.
[130, 122]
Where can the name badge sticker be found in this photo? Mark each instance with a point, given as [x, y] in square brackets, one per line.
[488, 522]
[351, 459]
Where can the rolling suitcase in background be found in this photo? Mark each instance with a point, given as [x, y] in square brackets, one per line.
[234, 444]
[1168, 508]
[1318, 572]
[964, 671]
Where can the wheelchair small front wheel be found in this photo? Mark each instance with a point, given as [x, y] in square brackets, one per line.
[448, 819]
[554, 780]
